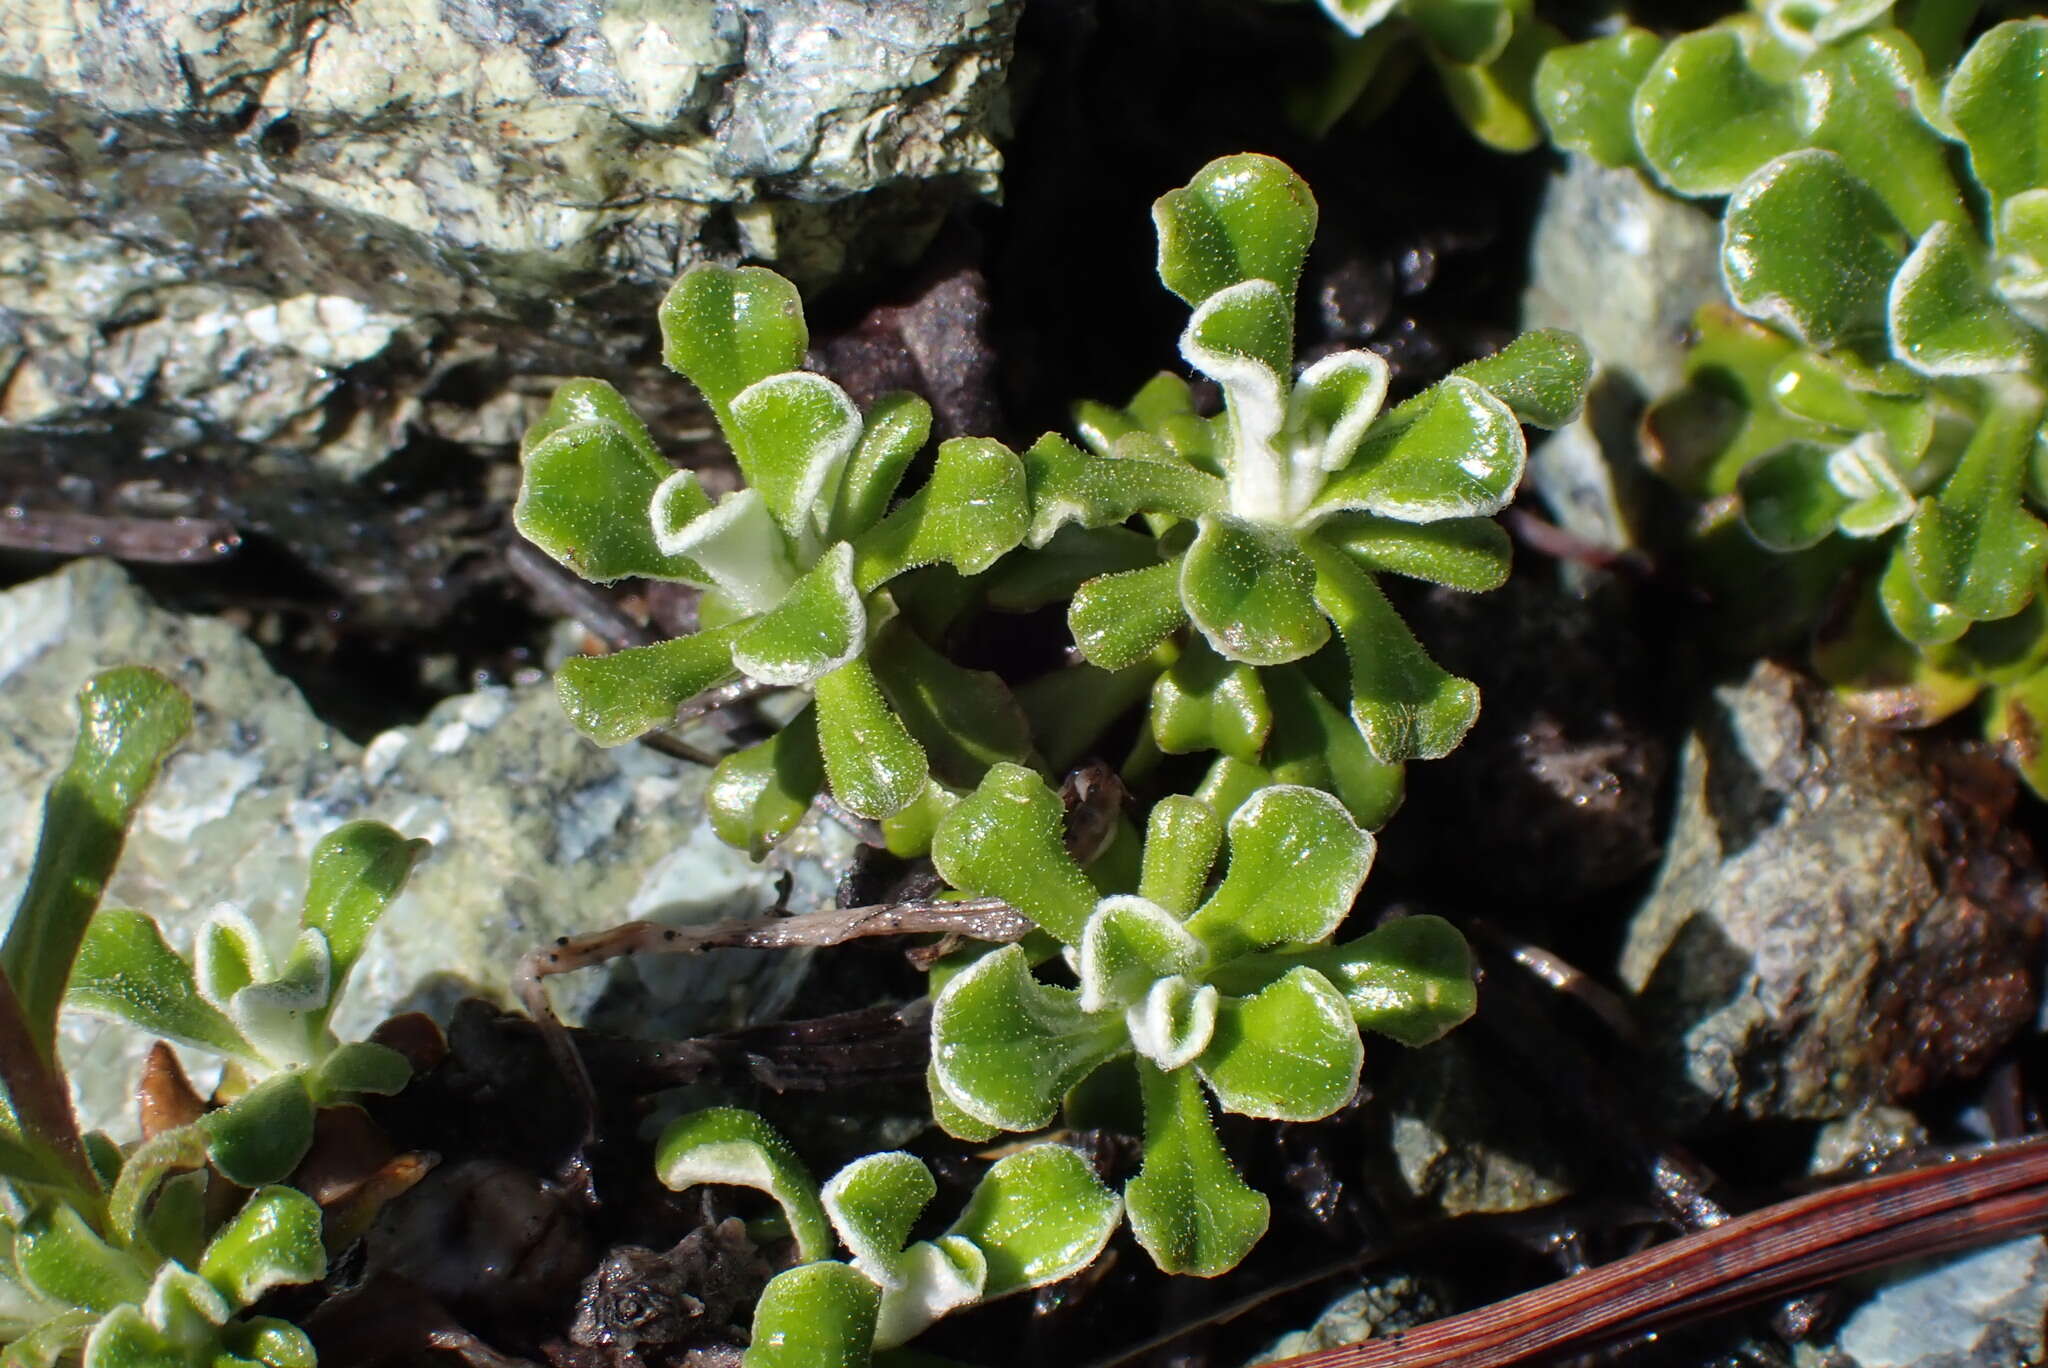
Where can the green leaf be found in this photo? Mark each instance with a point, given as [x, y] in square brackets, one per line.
[1182, 836]
[585, 492]
[1788, 502]
[1038, 1215]
[125, 970]
[1809, 247]
[939, 1277]
[1173, 1021]
[758, 794]
[1584, 94]
[52, 1342]
[1007, 840]
[1464, 32]
[1297, 862]
[726, 329]
[1997, 101]
[1188, 1207]
[894, 431]
[357, 870]
[129, 720]
[1706, 119]
[1861, 102]
[1128, 944]
[261, 1136]
[1472, 554]
[1315, 744]
[1246, 217]
[269, 1341]
[178, 1324]
[62, 1260]
[273, 1241]
[1453, 451]
[361, 1066]
[1911, 613]
[819, 626]
[972, 510]
[229, 955]
[1290, 1053]
[872, 1203]
[793, 434]
[1945, 318]
[1008, 1047]
[1242, 337]
[1496, 99]
[1334, 403]
[617, 697]
[950, 1118]
[1973, 547]
[966, 720]
[1204, 702]
[147, 1168]
[1068, 485]
[817, 1315]
[875, 767]
[1071, 707]
[734, 1148]
[1406, 705]
[1411, 979]
[1541, 376]
[1251, 591]
[1119, 620]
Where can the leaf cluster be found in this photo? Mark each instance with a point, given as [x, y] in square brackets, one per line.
[1875, 403]
[133, 1261]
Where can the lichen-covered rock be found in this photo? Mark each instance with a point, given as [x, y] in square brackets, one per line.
[536, 832]
[1843, 915]
[281, 223]
[1464, 1139]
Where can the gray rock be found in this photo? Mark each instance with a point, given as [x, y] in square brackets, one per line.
[1983, 1310]
[1378, 1308]
[536, 832]
[1624, 266]
[283, 224]
[1465, 1139]
[1843, 915]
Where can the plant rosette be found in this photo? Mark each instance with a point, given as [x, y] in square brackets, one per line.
[1036, 1216]
[1240, 992]
[268, 1019]
[794, 566]
[1888, 380]
[1271, 522]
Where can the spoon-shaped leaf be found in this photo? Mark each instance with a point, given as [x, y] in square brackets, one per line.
[273, 1241]
[617, 697]
[584, 494]
[1860, 96]
[357, 870]
[1297, 861]
[820, 624]
[792, 434]
[1944, 316]
[873, 1202]
[1706, 119]
[1289, 1053]
[1007, 1047]
[725, 329]
[1069, 485]
[1406, 705]
[757, 794]
[1038, 1215]
[125, 970]
[1247, 217]
[129, 720]
[1204, 702]
[1473, 554]
[1584, 94]
[1998, 99]
[971, 511]
[1188, 1207]
[1541, 376]
[1118, 620]
[1453, 451]
[1411, 979]
[1129, 943]
[1251, 591]
[1973, 547]
[875, 767]
[893, 432]
[1808, 246]
[817, 1315]
[736, 1148]
[1182, 836]
[261, 1136]
[1007, 840]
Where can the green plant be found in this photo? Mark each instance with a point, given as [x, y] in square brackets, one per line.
[1877, 409]
[795, 567]
[1484, 54]
[269, 1020]
[1271, 522]
[1242, 989]
[119, 1261]
[1035, 1217]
